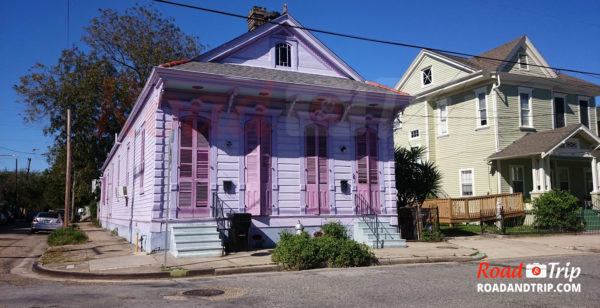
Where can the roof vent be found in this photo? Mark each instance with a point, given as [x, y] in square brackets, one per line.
[259, 16]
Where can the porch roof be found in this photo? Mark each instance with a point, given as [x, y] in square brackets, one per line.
[543, 142]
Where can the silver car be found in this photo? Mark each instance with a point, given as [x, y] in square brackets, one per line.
[46, 221]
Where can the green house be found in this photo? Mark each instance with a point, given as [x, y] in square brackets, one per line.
[513, 125]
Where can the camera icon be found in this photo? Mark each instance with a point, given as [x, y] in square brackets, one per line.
[535, 270]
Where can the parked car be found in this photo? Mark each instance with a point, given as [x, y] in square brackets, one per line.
[3, 219]
[47, 221]
[9, 215]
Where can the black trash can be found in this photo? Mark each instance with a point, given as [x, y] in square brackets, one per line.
[239, 230]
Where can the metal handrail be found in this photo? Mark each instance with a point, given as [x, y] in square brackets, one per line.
[218, 213]
[366, 211]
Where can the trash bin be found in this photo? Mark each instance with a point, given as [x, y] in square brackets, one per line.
[239, 230]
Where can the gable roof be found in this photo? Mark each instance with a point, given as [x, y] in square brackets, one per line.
[542, 142]
[285, 21]
[267, 74]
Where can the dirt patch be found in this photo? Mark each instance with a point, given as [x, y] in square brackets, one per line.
[55, 255]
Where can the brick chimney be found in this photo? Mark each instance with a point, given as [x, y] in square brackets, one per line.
[258, 16]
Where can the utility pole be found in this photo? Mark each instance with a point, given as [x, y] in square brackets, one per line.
[28, 166]
[16, 182]
[68, 173]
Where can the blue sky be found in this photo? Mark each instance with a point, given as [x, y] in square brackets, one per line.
[567, 33]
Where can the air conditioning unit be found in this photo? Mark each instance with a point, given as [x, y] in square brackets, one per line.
[122, 191]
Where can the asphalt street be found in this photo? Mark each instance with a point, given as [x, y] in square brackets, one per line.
[441, 284]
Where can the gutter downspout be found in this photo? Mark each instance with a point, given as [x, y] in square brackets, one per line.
[495, 87]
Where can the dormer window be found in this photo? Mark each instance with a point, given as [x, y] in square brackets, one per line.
[283, 55]
[523, 62]
[426, 76]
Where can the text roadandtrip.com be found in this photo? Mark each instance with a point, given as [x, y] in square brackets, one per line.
[551, 270]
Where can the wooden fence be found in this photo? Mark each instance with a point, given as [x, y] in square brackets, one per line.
[473, 209]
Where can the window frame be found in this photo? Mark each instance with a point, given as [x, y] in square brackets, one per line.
[441, 132]
[460, 181]
[410, 135]
[423, 84]
[558, 179]
[587, 103]
[512, 173]
[529, 92]
[526, 68]
[564, 98]
[289, 54]
[478, 110]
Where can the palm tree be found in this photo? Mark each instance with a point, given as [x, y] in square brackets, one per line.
[416, 179]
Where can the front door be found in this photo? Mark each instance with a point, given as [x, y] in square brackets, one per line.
[258, 167]
[366, 172]
[194, 147]
[317, 175]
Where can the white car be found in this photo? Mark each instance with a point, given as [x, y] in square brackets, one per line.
[47, 221]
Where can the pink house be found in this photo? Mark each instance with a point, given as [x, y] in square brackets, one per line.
[271, 123]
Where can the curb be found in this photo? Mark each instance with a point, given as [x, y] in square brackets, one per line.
[38, 268]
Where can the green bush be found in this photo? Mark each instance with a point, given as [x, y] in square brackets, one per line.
[66, 236]
[333, 249]
[431, 236]
[557, 210]
[335, 229]
[296, 252]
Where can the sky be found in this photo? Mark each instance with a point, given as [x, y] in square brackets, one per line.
[567, 34]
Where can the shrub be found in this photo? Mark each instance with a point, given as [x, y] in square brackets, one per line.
[66, 236]
[335, 229]
[431, 236]
[557, 210]
[299, 252]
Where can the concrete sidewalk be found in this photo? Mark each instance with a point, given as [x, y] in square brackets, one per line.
[106, 256]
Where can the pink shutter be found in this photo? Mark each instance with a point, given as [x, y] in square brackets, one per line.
[372, 157]
[265, 168]
[252, 166]
[361, 156]
[312, 186]
[186, 160]
[202, 164]
[142, 158]
[323, 171]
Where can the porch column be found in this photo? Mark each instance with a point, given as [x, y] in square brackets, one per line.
[534, 173]
[595, 174]
[542, 173]
[547, 172]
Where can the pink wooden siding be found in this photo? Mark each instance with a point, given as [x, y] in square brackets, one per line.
[317, 175]
[367, 171]
[142, 158]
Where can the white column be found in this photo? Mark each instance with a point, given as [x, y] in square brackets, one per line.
[547, 171]
[499, 175]
[595, 174]
[542, 173]
[534, 173]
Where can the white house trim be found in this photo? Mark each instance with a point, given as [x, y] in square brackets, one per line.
[482, 90]
[529, 92]
[564, 98]
[460, 182]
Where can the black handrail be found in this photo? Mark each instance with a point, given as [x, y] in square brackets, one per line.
[365, 210]
[218, 213]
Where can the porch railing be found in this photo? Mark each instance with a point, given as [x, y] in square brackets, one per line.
[479, 208]
[219, 213]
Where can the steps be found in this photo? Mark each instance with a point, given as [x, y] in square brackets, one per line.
[364, 232]
[196, 241]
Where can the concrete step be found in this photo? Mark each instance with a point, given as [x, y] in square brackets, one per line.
[195, 229]
[198, 253]
[386, 243]
[195, 236]
[382, 230]
[198, 245]
[385, 236]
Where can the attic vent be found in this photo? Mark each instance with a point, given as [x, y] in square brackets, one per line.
[258, 16]
[572, 144]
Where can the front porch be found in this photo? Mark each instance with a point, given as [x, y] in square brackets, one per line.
[564, 158]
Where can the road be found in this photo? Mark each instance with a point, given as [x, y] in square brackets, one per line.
[442, 284]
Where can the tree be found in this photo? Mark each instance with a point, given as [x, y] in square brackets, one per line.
[100, 87]
[416, 179]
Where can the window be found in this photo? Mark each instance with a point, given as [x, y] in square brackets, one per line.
[427, 77]
[583, 112]
[466, 182]
[559, 111]
[563, 178]
[516, 179]
[525, 108]
[481, 108]
[523, 62]
[572, 143]
[414, 134]
[443, 119]
[398, 121]
[283, 55]
[142, 158]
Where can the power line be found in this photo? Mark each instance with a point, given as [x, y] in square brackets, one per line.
[21, 152]
[373, 40]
